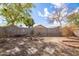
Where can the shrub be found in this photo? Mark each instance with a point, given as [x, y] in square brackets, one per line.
[67, 31]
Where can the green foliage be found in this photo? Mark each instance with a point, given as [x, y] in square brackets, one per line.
[17, 13]
[29, 22]
[74, 18]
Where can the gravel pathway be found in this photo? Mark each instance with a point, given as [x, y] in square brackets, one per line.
[38, 46]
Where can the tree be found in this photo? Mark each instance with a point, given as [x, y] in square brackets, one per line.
[16, 12]
[7, 13]
[29, 22]
[74, 18]
[58, 15]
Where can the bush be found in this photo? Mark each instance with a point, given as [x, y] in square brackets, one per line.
[67, 31]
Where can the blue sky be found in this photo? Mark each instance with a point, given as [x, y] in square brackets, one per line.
[42, 10]
[40, 7]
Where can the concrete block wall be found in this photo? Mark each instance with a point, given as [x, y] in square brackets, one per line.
[16, 31]
[12, 31]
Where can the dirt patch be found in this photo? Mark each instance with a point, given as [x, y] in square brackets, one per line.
[38, 46]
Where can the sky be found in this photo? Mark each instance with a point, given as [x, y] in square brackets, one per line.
[41, 11]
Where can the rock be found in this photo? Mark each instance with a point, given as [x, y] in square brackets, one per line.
[49, 50]
[12, 51]
[1, 49]
[8, 51]
[21, 43]
[16, 49]
[32, 50]
[45, 54]
[76, 32]
[3, 41]
[8, 39]
[25, 39]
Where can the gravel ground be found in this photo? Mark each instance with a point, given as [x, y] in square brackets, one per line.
[38, 46]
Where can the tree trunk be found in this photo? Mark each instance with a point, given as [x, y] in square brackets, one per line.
[60, 24]
[30, 32]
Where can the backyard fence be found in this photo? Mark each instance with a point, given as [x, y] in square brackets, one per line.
[16, 31]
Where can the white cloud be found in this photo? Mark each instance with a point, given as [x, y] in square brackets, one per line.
[57, 5]
[76, 10]
[64, 12]
[55, 24]
[35, 25]
[40, 14]
[45, 14]
[53, 14]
